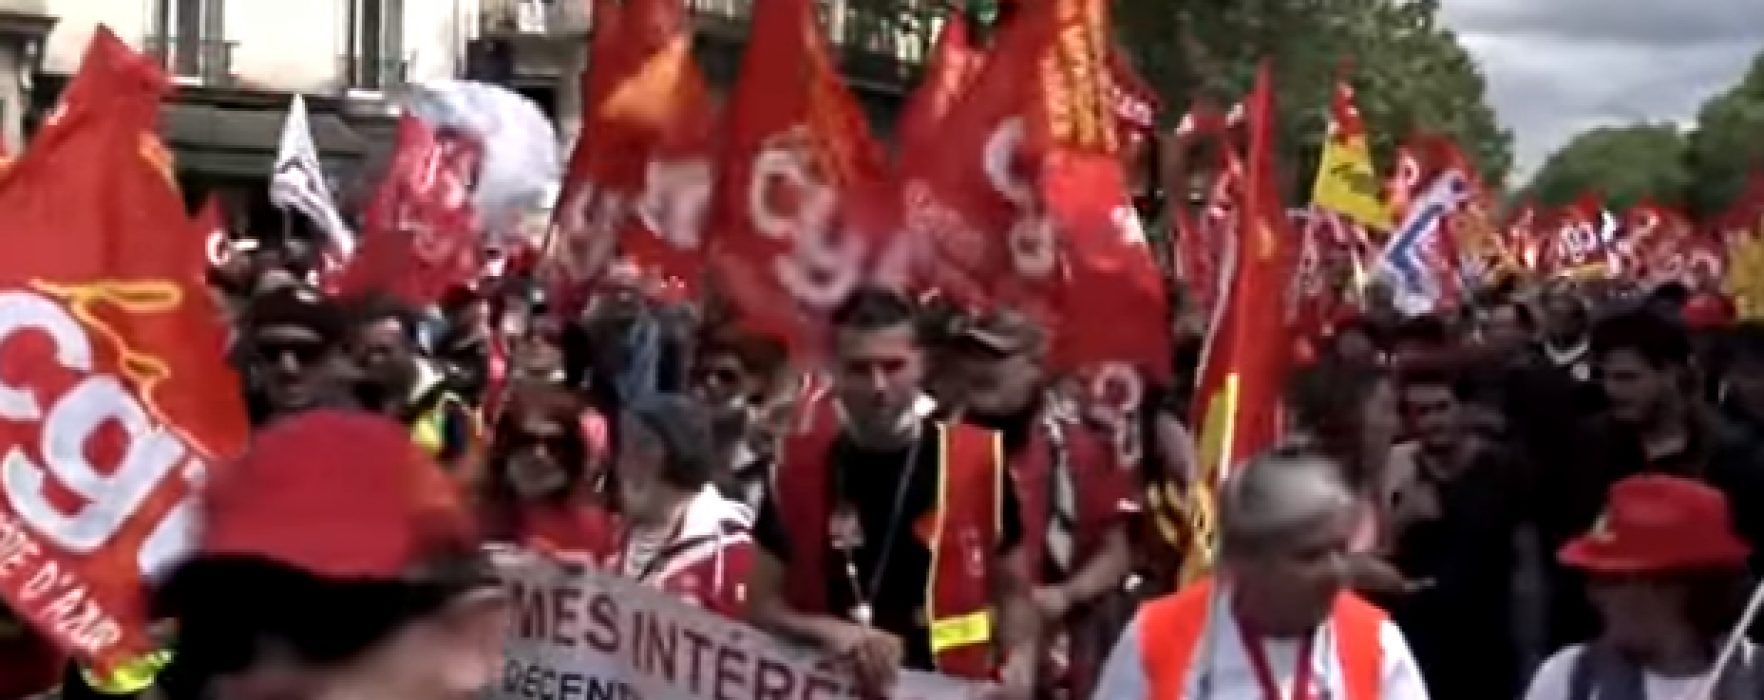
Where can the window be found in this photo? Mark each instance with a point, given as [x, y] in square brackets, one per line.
[189, 37]
[376, 59]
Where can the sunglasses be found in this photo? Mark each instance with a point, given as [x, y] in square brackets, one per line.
[524, 440]
[303, 352]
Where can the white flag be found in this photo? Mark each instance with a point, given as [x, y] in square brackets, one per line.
[298, 183]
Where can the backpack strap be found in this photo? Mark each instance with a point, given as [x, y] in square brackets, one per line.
[1580, 675]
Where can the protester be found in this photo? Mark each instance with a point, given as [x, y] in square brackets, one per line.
[539, 489]
[409, 386]
[1276, 621]
[293, 341]
[676, 531]
[1567, 322]
[1656, 422]
[1455, 519]
[377, 592]
[892, 540]
[1667, 573]
[1074, 493]
[1742, 378]
[739, 376]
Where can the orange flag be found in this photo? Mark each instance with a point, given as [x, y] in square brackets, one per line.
[796, 150]
[1243, 365]
[658, 121]
[114, 344]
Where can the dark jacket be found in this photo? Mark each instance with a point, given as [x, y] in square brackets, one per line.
[1572, 496]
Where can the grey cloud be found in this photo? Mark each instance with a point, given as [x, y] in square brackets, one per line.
[1557, 67]
[1634, 22]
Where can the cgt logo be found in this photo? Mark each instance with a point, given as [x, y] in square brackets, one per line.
[77, 502]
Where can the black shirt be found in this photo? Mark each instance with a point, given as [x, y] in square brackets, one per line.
[1460, 628]
[870, 481]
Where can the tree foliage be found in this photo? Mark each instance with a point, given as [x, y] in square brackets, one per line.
[1411, 74]
[1622, 164]
[1727, 143]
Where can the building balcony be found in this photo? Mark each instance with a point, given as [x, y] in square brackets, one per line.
[194, 61]
[535, 18]
[373, 75]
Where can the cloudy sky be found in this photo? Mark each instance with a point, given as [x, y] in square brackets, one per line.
[1556, 67]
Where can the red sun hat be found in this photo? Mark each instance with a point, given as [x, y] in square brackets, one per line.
[337, 494]
[1655, 523]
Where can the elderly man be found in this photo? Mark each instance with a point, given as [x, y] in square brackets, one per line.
[1277, 621]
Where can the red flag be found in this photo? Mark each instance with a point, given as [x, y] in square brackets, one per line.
[1237, 400]
[952, 69]
[796, 146]
[1106, 261]
[658, 118]
[114, 346]
[1654, 241]
[583, 236]
[419, 237]
[969, 196]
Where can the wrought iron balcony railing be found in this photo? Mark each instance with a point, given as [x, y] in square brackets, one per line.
[207, 60]
[369, 74]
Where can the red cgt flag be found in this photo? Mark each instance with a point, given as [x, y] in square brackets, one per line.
[657, 121]
[796, 149]
[419, 236]
[1107, 263]
[114, 345]
[1237, 400]
[583, 236]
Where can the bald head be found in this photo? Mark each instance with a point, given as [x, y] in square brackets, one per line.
[1279, 499]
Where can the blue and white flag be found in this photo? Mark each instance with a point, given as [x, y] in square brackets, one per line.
[1407, 263]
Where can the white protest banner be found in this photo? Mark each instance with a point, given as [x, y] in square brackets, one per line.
[580, 634]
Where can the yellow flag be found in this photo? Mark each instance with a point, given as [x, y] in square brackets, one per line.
[1346, 181]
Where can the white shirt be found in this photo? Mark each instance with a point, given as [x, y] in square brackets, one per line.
[1554, 678]
[1221, 669]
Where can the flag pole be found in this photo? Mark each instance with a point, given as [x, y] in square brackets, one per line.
[1706, 687]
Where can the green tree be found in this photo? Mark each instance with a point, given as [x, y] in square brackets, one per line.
[1411, 74]
[1623, 164]
[1727, 143]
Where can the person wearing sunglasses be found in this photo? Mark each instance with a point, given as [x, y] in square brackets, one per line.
[538, 492]
[293, 353]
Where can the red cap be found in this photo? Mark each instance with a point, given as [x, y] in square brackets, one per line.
[1708, 311]
[1658, 523]
[338, 494]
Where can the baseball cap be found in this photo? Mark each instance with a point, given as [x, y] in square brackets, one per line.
[337, 494]
[1004, 332]
[1656, 523]
[300, 307]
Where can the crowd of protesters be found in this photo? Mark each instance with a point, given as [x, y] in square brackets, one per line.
[1555, 494]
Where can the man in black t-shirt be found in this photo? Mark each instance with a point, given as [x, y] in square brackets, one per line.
[860, 503]
[869, 479]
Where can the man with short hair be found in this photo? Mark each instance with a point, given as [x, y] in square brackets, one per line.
[335, 561]
[1454, 517]
[409, 386]
[1656, 422]
[1276, 621]
[892, 539]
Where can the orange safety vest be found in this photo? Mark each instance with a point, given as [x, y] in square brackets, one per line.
[1170, 630]
[962, 531]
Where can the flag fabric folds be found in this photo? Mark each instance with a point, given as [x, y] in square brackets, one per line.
[298, 183]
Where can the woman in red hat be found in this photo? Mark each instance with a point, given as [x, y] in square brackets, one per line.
[1667, 574]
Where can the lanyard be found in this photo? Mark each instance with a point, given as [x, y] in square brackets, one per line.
[1258, 658]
